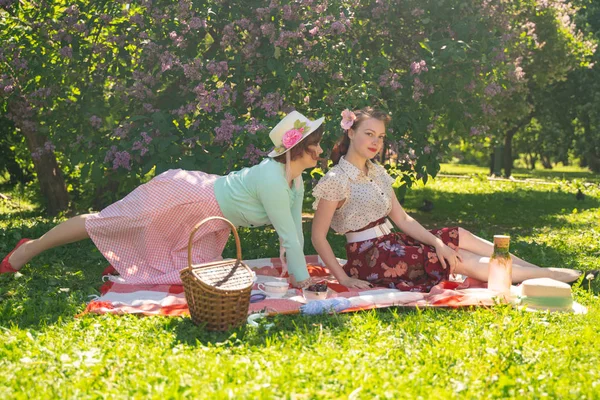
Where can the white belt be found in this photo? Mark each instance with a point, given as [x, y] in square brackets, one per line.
[371, 233]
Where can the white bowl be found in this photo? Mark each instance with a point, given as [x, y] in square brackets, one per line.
[310, 295]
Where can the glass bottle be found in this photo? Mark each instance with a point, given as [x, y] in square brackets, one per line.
[500, 268]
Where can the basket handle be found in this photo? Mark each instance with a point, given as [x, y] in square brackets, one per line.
[238, 246]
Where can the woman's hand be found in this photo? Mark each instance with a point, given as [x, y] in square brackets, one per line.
[448, 257]
[354, 283]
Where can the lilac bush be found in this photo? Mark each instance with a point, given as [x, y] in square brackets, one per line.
[121, 89]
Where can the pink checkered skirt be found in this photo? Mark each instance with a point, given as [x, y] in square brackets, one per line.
[145, 235]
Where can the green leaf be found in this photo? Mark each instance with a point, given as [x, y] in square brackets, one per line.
[425, 46]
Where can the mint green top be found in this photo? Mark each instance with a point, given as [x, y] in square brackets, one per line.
[259, 196]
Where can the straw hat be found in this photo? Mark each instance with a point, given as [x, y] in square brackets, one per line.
[290, 131]
[543, 294]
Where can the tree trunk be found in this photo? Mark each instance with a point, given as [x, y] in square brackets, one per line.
[546, 162]
[508, 160]
[50, 178]
[531, 158]
[591, 158]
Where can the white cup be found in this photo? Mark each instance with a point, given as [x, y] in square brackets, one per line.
[274, 289]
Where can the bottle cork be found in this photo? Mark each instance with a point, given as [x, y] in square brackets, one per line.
[501, 241]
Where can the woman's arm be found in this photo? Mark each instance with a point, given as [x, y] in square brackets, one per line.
[320, 227]
[414, 229]
[276, 202]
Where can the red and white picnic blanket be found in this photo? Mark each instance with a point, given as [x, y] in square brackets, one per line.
[120, 298]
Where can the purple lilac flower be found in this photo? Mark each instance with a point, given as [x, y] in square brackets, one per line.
[418, 87]
[337, 28]
[137, 19]
[285, 38]
[110, 154]
[488, 109]
[6, 4]
[518, 74]
[314, 65]
[217, 68]
[193, 70]
[228, 35]
[66, 52]
[253, 154]
[492, 89]
[147, 139]
[251, 94]
[272, 103]
[214, 100]
[478, 130]
[79, 27]
[418, 67]
[37, 155]
[49, 147]
[224, 132]
[268, 30]
[254, 126]
[167, 61]
[122, 159]
[380, 9]
[287, 12]
[390, 79]
[120, 132]
[197, 23]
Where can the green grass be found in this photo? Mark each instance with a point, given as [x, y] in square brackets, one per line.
[391, 353]
[557, 173]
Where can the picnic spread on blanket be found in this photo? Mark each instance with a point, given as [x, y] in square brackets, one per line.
[118, 297]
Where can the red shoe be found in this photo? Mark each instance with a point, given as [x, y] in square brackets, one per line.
[5, 267]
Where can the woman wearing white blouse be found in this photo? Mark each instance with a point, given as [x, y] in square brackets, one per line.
[355, 198]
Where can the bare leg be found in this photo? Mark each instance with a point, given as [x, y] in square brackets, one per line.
[476, 266]
[475, 244]
[72, 230]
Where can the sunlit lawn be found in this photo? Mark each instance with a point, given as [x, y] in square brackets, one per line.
[392, 353]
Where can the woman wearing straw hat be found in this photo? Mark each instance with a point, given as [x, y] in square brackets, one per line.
[144, 236]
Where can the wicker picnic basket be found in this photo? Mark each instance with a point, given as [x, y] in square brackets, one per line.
[218, 293]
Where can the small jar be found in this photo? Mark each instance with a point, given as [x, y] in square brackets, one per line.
[500, 268]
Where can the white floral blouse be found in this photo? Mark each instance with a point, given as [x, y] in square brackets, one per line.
[368, 197]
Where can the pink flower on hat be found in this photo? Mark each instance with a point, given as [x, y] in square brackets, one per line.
[291, 137]
[348, 118]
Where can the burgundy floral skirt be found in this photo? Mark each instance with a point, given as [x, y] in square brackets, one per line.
[398, 261]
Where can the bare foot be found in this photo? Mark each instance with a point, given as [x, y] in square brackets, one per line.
[565, 274]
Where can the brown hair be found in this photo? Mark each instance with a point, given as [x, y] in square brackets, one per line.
[343, 144]
[298, 151]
